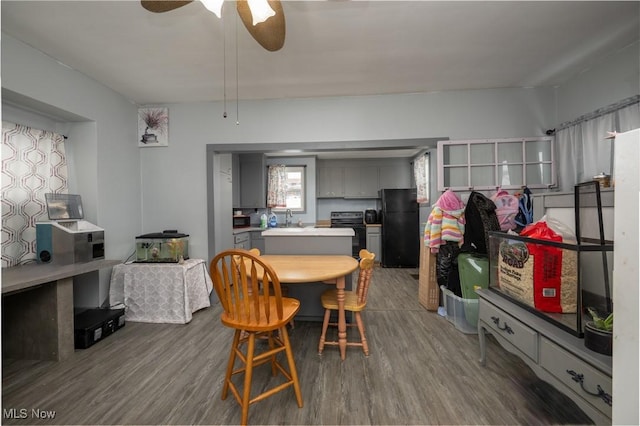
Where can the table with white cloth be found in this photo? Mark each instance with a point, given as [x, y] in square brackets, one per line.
[161, 292]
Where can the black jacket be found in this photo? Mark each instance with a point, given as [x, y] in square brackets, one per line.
[480, 216]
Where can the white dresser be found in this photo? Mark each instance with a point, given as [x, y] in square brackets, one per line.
[556, 356]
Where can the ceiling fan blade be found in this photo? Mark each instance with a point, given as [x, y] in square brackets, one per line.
[270, 33]
[159, 6]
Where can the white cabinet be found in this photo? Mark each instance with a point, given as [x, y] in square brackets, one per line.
[374, 241]
[557, 357]
[496, 163]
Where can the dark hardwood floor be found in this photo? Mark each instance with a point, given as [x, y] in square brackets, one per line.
[421, 371]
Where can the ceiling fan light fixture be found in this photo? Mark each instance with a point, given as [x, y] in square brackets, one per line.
[214, 6]
[260, 10]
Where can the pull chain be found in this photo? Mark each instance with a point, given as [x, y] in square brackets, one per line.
[237, 66]
[224, 66]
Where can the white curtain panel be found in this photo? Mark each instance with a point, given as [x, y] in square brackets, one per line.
[584, 151]
[33, 164]
[277, 186]
[421, 174]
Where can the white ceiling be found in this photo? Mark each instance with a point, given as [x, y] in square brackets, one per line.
[332, 47]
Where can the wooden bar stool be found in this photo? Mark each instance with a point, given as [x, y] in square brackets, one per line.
[237, 276]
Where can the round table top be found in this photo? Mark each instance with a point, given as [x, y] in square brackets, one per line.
[293, 269]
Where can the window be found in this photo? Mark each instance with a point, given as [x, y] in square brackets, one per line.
[295, 189]
[500, 163]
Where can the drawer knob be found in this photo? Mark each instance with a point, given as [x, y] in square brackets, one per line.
[579, 378]
[506, 328]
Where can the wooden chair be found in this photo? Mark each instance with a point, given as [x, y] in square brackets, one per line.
[237, 276]
[355, 301]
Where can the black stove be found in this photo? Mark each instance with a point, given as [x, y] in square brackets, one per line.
[354, 220]
[346, 219]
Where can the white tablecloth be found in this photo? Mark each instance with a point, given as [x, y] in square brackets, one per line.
[161, 292]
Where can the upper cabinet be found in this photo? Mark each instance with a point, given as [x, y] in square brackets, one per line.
[361, 181]
[361, 178]
[496, 163]
[235, 160]
[253, 181]
[394, 176]
[330, 181]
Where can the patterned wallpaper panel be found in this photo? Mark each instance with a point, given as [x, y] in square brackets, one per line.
[33, 164]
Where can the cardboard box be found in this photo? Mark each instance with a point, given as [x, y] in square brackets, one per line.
[428, 290]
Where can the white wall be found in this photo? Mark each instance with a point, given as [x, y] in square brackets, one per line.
[617, 77]
[103, 141]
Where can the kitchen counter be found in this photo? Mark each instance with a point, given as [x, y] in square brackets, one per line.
[237, 231]
[308, 232]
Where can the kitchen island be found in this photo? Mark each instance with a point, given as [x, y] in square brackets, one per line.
[308, 241]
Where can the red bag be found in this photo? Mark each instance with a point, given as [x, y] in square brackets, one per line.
[547, 267]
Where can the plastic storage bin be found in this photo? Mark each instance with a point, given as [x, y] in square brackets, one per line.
[457, 308]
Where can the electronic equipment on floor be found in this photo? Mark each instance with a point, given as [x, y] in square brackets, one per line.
[93, 325]
[65, 238]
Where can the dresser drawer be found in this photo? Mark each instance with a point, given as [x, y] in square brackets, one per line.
[589, 383]
[509, 328]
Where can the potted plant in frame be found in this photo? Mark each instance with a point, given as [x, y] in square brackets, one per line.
[598, 333]
[155, 119]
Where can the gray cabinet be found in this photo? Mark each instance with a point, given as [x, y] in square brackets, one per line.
[361, 181]
[257, 240]
[374, 241]
[235, 180]
[253, 181]
[556, 356]
[394, 177]
[330, 182]
[242, 240]
[361, 178]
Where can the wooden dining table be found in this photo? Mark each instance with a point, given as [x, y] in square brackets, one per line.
[330, 269]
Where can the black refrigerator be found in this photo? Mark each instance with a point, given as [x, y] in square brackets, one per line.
[400, 229]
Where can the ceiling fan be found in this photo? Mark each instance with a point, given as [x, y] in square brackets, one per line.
[267, 28]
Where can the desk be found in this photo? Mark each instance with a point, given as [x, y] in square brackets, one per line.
[332, 269]
[161, 292]
[37, 302]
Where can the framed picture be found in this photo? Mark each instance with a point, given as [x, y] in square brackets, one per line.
[153, 127]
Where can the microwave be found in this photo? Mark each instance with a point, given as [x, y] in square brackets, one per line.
[241, 221]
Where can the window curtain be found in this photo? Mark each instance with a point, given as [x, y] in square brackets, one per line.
[584, 151]
[421, 174]
[33, 164]
[277, 186]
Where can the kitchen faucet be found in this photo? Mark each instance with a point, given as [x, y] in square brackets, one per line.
[288, 216]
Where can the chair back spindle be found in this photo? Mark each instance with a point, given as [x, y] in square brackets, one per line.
[252, 303]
